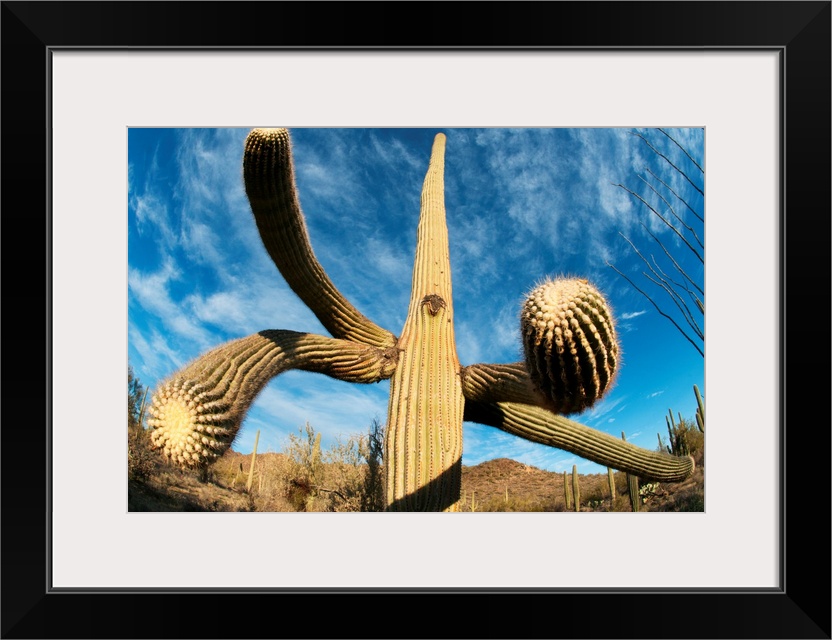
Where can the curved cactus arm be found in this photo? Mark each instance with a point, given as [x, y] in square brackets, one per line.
[540, 425]
[500, 383]
[197, 412]
[268, 171]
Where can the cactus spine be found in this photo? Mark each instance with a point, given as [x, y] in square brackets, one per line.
[570, 361]
[576, 488]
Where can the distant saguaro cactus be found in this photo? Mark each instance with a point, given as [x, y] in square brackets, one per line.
[700, 409]
[632, 486]
[576, 487]
[611, 479]
[567, 493]
[570, 356]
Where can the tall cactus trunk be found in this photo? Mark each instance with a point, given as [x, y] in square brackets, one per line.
[423, 445]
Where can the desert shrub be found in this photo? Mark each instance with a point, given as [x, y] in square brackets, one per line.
[345, 474]
[689, 499]
[304, 469]
[372, 498]
[140, 458]
[622, 503]
[346, 477]
[686, 439]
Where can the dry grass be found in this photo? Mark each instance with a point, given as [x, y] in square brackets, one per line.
[280, 486]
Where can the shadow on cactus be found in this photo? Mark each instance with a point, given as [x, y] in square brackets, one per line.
[571, 356]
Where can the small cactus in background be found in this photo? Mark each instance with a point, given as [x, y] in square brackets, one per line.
[635, 500]
[315, 458]
[611, 478]
[253, 460]
[576, 488]
[700, 410]
[678, 440]
[567, 493]
[632, 487]
[570, 360]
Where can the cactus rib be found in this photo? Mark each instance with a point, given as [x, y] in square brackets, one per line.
[268, 170]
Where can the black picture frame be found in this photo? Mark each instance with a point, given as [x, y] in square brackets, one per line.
[800, 608]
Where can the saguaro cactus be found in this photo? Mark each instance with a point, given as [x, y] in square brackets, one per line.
[611, 479]
[700, 409]
[571, 356]
[576, 487]
[567, 493]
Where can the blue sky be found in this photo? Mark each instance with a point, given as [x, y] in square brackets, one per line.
[522, 204]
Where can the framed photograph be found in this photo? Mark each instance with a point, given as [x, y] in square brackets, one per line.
[78, 78]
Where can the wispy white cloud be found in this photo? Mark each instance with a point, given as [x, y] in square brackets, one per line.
[599, 412]
[632, 314]
[398, 157]
[152, 217]
[157, 357]
[296, 397]
[152, 292]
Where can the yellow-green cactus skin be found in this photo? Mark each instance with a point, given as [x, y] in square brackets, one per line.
[571, 356]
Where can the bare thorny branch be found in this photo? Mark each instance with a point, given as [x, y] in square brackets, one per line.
[688, 295]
